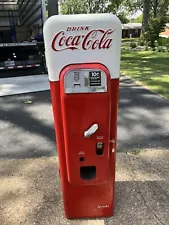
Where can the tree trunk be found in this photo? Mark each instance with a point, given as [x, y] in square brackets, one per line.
[146, 13]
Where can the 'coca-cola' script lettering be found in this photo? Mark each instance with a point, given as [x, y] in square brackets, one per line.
[94, 39]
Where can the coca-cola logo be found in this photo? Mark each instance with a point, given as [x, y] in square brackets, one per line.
[93, 39]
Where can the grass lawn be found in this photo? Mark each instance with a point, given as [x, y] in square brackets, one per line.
[151, 69]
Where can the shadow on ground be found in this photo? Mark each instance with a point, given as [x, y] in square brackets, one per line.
[27, 130]
[143, 118]
[26, 125]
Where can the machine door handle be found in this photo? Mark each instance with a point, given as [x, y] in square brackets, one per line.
[88, 133]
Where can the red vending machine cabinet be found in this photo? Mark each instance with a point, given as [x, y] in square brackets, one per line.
[83, 57]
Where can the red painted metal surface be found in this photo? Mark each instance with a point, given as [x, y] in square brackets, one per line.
[73, 114]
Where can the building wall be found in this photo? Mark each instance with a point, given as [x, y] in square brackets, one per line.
[133, 32]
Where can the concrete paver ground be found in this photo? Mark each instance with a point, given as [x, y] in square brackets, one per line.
[23, 84]
[30, 191]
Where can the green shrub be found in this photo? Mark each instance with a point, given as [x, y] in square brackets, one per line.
[133, 44]
[163, 41]
[155, 26]
[150, 49]
[156, 44]
[161, 49]
[164, 48]
[146, 48]
[141, 43]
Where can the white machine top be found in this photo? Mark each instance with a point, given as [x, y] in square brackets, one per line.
[76, 39]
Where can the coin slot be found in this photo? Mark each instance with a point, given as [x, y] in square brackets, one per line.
[100, 148]
[86, 82]
[81, 159]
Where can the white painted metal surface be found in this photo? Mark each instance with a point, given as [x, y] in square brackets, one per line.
[21, 85]
[91, 38]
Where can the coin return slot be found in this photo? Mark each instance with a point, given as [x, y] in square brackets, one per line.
[99, 152]
[76, 85]
[88, 172]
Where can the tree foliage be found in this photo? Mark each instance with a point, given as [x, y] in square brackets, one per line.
[159, 8]
[139, 19]
[155, 20]
[154, 11]
[116, 7]
[155, 26]
[82, 6]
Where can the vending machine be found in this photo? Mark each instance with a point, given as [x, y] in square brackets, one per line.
[83, 60]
